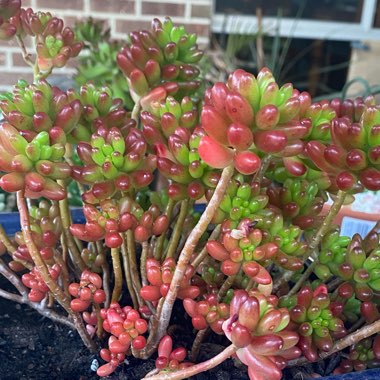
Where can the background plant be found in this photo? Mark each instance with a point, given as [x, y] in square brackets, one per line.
[97, 61]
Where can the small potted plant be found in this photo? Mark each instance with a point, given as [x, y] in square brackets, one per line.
[259, 264]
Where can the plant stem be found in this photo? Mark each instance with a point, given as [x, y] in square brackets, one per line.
[282, 280]
[203, 253]
[66, 222]
[25, 55]
[176, 235]
[197, 343]
[99, 325]
[65, 248]
[106, 283]
[13, 278]
[43, 75]
[259, 39]
[58, 294]
[155, 317]
[115, 254]
[160, 241]
[5, 240]
[250, 285]
[64, 272]
[127, 274]
[152, 372]
[144, 257]
[136, 283]
[48, 313]
[333, 284]
[303, 278]
[36, 256]
[98, 249]
[375, 228]
[323, 229]
[11, 296]
[185, 256]
[226, 285]
[193, 370]
[263, 168]
[343, 343]
[136, 112]
[360, 322]
[11, 249]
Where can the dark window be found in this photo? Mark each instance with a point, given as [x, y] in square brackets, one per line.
[376, 23]
[317, 66]
[329, 10]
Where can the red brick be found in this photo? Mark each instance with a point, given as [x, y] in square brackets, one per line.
[163, 9]
[9, 79]
[126, 26]
[199, 29]
[17, 60]
[8, 43]
[121, 6]
[200, 11]
[59, 4]
[28, 42]
[26, 3]
[3, 58]
[71, 21]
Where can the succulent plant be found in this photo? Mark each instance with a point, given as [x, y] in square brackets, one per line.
[260, 264]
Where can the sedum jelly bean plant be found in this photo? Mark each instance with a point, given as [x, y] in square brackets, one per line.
[260, 264]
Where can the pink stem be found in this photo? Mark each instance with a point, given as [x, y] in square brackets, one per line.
[193, 370]
[184, 259]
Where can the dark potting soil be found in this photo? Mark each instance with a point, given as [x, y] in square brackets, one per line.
[35, 348]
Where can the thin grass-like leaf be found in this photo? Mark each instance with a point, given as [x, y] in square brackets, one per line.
[322, 70]
[289, 39]
[276, 43]
[297, 57]
[362, 81]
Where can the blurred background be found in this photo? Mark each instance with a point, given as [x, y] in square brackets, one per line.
[320, 45]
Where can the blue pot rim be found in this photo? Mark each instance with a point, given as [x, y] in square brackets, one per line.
[11, 220]
[369, 374]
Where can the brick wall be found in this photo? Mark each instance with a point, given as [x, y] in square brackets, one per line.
[122, 16]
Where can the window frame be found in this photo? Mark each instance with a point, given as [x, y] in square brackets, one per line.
[302, 28]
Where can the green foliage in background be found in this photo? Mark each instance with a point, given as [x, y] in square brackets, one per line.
[97, 61]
